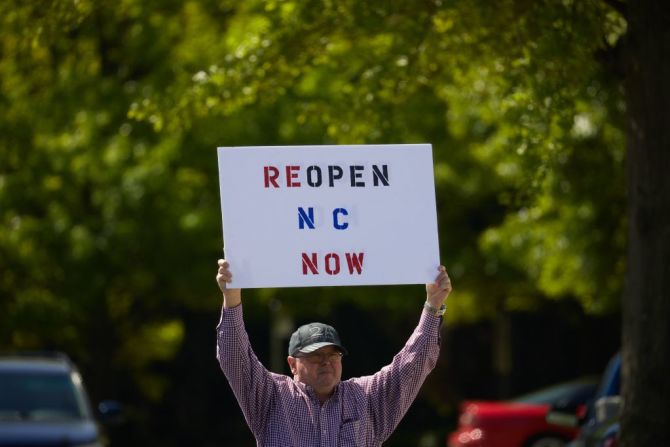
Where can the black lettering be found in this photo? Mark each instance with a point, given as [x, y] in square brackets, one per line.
[355, 174]
[378, 175]
[310, 180]
[332, 176]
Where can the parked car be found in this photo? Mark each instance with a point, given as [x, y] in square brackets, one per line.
[43, 403]
[521, 422]
[598, 422]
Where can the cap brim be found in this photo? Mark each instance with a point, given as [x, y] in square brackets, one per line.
[314, 346]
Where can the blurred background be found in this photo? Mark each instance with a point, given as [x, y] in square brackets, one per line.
[110, 115]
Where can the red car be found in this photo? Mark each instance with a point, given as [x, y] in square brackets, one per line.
[520, 422]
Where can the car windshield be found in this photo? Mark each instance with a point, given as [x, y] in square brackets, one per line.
[555, 394]
[39, 397]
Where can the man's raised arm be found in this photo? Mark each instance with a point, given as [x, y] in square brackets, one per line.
[250, 381]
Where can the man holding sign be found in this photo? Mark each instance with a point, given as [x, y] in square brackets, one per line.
[308, 216]
[316, 408]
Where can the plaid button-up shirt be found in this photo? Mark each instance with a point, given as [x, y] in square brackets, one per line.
[363, 411]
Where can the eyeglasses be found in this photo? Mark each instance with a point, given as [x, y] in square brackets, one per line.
[314, 357]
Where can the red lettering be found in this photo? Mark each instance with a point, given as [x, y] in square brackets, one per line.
[355, 262]
[309, 263]
[334, 270]
[271, 173]
[292, 175]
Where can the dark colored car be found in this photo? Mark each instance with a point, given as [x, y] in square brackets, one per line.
[521, 422]
[598, 422]
[43, 403]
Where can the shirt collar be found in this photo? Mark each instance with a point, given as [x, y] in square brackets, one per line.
[312, 395]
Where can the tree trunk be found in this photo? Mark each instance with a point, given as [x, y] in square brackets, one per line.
[646, 302]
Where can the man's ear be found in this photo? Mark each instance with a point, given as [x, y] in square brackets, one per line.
[291, 364]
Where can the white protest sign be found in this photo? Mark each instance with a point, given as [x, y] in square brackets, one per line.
[296, 216]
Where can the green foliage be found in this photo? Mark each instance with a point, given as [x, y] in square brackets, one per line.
[110, 113]
[98, 211]
[512, 95]
[522, 116]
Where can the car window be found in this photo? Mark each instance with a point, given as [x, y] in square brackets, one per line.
[565, 394]
[611, 380]
[39, 396]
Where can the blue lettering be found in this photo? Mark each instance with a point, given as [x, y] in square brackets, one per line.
[306, 218]
[336, 222]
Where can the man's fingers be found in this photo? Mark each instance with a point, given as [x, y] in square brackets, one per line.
[442, 282]
[223, 274]
[442, 278]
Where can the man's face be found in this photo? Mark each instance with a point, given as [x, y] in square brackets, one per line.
[321, 369]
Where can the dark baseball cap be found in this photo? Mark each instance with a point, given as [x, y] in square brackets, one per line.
[310, 337]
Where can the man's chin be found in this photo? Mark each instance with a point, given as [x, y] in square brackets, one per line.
[328, 379]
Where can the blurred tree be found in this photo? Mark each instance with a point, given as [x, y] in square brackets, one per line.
[514, 98]
[111, 112]
[99, 212]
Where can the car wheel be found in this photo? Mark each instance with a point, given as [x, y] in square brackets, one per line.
[547, 441]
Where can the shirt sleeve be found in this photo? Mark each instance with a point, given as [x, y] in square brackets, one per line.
[250, 381]
[391, 391]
